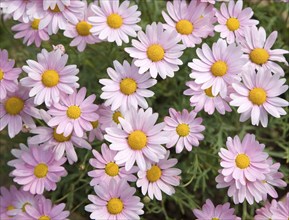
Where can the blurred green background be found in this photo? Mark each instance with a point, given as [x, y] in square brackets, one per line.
[199, 167]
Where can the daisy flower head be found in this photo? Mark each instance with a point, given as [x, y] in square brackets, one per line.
[157, 50]
[219, 212]
[189, 21]
[126, 88]
[48, 78]
[184, 129]
[257, 50]
[114, 201]
[139, 140]
[218, 67]
[281, 211]
[109, 118]
[7, 196]
[265, 212]
[233, 20]
[115, 22]
[258, 95]
[8, 75]
[38, 170]
[159, 177]
[105, 168]
[74, 113]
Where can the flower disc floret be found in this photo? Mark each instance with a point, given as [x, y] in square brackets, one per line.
[219, 68]
[128, 86]
[44, 217]
[184, 27]
[183, 130]
[259, 56]
[83, 28]
[155, 52]
[95, 124]
[73, 112]
[1, 74]
[35, 24]
[114, 21]
[114, 206]
[41, 170]
[209, 93]
[55, 10]
[137, 140]
[233, 24]
[116, 115]
[50, 78]
[242, 161]
[257, 96]
[14, 105]
[111, 169]
[154, 173]
[60, 137]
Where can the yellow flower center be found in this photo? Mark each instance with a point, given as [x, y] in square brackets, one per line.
[55, 10]
[242, 161]
[115, 116]
[14, 105]
[259, 56]
[137, 140]
[41, 170]
[114, 206]
[183, 130]
[94, 124]
[155, 52]
[219, 68]
[73, 112]
[209, 93]
[111, 169]
[44, 217]
[1, 74]
[233, 24]
[83, 28]
[10, 207]
[257, 96]
[154, 173]
[35, 24]
[60, 137]
[50, 78]
[184, 27]
[215, 218]
[128, 86]
[23, 208]
[114, 21]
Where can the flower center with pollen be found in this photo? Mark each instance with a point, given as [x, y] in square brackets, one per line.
[14, 105]
[215, 218]
[83, 28]
[155, 52]
[114, 206]
[184, 27]
[73, 112]
[128, 86]
[137, 140]
[154, 173]
[44, 217]
[41, 170]
[23, 208]
[219, 68]
[259, 56]
[114, 21]
[242, 161]
[60, 137]
[115, 116]
[1, 74]
[35, 24]
[50, 78]
[10, 207]
[209, 93]
[183, 130]
[111, 169]
[55, 10]
[233, 24]
[257, 96]
[94, 124]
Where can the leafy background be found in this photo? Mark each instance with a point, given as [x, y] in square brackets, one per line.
[199, 167]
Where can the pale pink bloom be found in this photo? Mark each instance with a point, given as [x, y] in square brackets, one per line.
[282, 209]
[139, 140]
[220, 212]
[126, 88]
[59, 47]
[48, 78]
[257, 50]
[218, 67]
[61, 4]
[74, 113]
[159, 177]
[114, 201]
[8, 75]
[105, 168]
[17, 108]
[258, 95]
[115, 22]
[192, 21]
[4, 14]
[204, 99]
[109, 118]
[17, 153]
[7, 197]
[233, 20]
[157, 50]
[38, 170]
[265, 212]
[184, 129]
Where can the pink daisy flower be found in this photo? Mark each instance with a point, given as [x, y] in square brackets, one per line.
[106, 169]
[233, 20]
[114, 201]
[80, 31]
[258, 95]
[8, 75]
[30, 32]
[159, 177]
[138, 140]
[204, 99]
[49, 77]
[189, 21]
[217, 68]
[126, 88]
[115, 22]
[109, 118]
[17, 108]
[39, 170]
[184, 129]
[157, 50]
[282, 209]
[7, 196]
[17, 8]
[220, 212]
[74, 113]
[265, 212]
[257, 50]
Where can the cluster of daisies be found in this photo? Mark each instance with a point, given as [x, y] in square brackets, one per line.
[240, 69]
